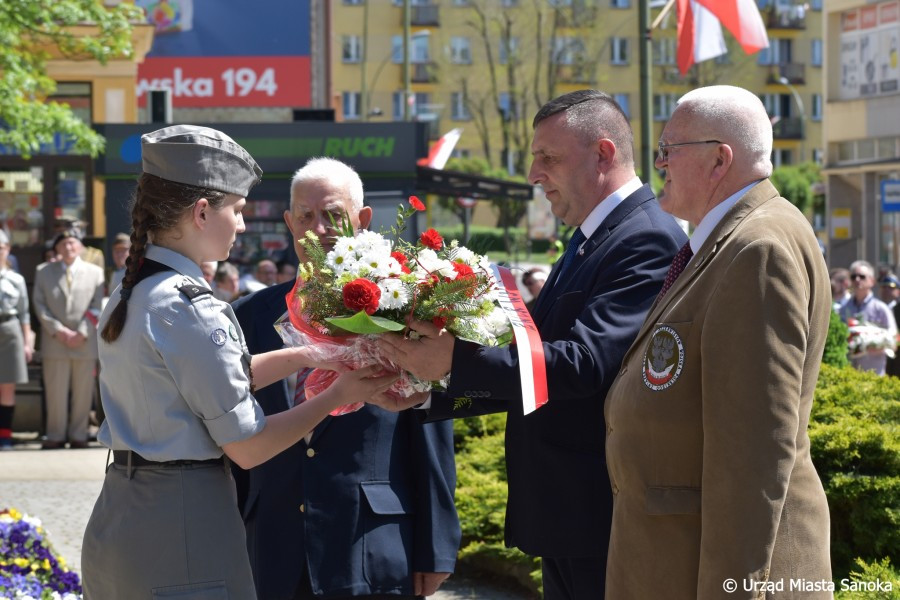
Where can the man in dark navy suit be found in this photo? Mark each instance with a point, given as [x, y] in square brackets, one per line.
[363, 507]
[588, 313]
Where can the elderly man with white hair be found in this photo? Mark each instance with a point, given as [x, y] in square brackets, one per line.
[715, 494]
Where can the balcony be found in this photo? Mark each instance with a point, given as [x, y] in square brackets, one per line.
[424, 15]
[574, 74]
[423, 72]
[790, 128]
[577, 15]
[795, 73]
[673, 76]
[786, 17]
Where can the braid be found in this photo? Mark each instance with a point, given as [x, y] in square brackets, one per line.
[157, 206]
[139, 219]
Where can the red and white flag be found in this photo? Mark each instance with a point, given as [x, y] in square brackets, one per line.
[441, 149]
[700, 29]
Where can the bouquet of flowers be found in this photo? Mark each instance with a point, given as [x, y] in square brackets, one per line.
[367, 285]
[29, 569]
[865, 336]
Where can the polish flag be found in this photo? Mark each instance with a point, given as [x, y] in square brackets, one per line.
[441, 149]
[700, 29]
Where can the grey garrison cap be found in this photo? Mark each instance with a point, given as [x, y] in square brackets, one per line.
[199, 156]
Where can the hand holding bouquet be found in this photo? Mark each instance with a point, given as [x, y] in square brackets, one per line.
[367, 285]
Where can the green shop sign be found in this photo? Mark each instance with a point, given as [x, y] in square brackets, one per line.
[284, 147]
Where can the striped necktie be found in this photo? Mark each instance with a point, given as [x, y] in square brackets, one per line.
[300, 387]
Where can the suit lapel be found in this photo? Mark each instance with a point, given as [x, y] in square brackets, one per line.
[758, 195]
[555, 288]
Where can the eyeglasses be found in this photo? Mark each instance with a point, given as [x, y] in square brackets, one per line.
[662, 152]
[856, 276]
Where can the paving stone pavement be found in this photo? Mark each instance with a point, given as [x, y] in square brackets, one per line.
[60, 486]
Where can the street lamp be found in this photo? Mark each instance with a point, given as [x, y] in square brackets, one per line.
[784, 81]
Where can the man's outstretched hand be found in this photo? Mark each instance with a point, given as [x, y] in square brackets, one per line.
[429, 357]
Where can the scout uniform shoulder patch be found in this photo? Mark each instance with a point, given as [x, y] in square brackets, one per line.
[663, 359]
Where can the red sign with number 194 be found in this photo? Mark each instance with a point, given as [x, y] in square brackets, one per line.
[228, 80]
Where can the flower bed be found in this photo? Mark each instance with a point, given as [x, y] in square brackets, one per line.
[29, 567]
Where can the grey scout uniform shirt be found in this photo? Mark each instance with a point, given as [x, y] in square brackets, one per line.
[175, 385]
[13, 295]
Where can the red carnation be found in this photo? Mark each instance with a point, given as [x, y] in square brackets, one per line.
[432, 239]
[441, 319]
[463, 271]
[362, 294]
[401, 258]
[416, 203]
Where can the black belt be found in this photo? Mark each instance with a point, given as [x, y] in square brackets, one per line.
[5, 318]
[120, 457]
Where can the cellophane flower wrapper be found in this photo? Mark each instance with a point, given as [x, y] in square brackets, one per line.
[366, 285]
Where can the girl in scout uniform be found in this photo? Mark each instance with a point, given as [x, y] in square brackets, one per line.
[176, 384]
[16, 344]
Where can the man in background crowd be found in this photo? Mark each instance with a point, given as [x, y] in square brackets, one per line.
[866, 309]
[120, 246]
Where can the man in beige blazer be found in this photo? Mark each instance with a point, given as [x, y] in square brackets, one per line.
[715, 494]
[67, 297]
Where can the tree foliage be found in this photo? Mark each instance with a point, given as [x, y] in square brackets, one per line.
[795, 183]
[32, 32]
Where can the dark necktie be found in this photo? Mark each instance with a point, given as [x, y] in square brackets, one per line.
[678, 264]
[300, 387]
[574, 243]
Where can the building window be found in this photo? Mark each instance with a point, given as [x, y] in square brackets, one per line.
[779, 52]
[559, 2]
[351, 48]
[782, 157]
[663, 106]
[816, 4]
[622, 100]
[419, 102]
[620, 3]
[458, 109]
[815, 112]
[509, 3]
[509, 108]
[353, 2]
[351, 103]
[818, 156]
[460, 51]
[460, 153]
[418, 48]
[509, 49]
[460, 2]
[664, 51]
[567, 50]
[619, 51]
[816, 53]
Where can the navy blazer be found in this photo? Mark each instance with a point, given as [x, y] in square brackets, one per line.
[364, 505]
[560, 502]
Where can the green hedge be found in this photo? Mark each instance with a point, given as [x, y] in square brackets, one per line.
[481, 502]
[485, 240]
[855, 436]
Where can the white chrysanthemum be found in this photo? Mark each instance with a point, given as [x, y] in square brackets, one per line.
[464, 255]
[340, 259]
[393, 267]
[429, 263]
[393, 294]
[370, 241]
[491, 326]
[378, 263]
[345, 245]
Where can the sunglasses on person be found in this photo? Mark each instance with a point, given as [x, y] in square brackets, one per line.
[662, 152]
[857, 276]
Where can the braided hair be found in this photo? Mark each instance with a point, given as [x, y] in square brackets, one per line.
[158, 205]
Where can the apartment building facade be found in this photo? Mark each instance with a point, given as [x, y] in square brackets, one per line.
[488, 65]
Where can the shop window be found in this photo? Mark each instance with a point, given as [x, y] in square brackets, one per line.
[21, 205]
